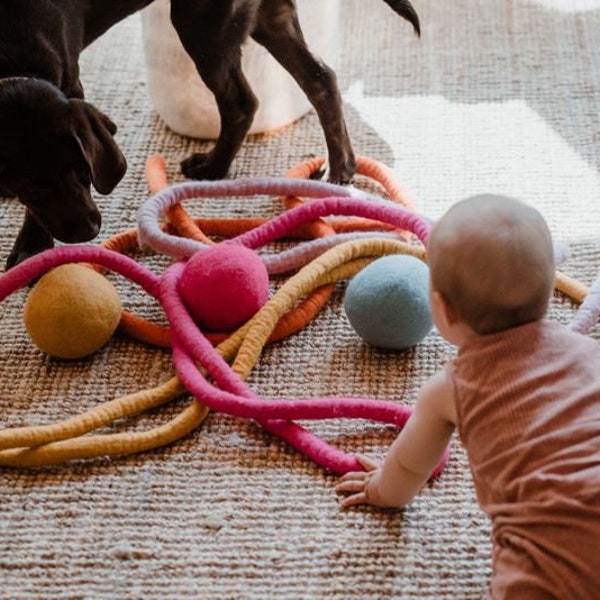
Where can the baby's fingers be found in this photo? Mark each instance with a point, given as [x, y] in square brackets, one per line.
[354, 500]
[354, 476]
[350, 486]
[368, 463]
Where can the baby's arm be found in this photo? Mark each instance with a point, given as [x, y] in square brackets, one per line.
[412, 457]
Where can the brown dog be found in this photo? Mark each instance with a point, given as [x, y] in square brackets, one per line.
[54, 145]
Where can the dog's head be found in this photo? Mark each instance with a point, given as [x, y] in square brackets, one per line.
[52, 149]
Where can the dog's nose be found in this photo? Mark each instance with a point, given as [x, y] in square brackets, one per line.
[84, 232]
[76, 231]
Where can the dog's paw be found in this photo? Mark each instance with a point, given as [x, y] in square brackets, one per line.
[324, 173]
[342, 172]
[321, 174]
[201, 165]
[6, 193]
[20, 253]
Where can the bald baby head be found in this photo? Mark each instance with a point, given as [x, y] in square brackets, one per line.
[491, 259]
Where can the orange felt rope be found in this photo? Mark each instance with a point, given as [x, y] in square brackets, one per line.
[200, 229]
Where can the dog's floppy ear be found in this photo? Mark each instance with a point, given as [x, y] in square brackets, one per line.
[94, 132]
[4, 192]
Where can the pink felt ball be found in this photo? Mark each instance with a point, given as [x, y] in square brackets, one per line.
[224, 286]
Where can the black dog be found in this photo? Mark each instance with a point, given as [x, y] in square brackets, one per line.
[54, 145]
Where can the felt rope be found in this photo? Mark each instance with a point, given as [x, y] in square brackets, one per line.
[570, 287]
[365, 166]
[234, 397]
[116, 444]
[52, 444]
[166, 294]
[93, 445]
[152, 235]
[153, 334]
[588, 312]
[186, 227]
[316, 273]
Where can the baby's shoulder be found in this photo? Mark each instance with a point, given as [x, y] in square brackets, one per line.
[438, 393]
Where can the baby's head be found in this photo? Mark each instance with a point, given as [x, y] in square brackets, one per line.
[491, 259]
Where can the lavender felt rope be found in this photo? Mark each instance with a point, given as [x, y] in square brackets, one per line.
[151, 234]
[300, 255]
[588, 312]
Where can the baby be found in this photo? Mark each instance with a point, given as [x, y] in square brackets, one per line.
[524, 393]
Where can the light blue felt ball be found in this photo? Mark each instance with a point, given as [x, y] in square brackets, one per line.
[387, 303]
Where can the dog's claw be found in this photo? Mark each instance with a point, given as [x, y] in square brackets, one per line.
[326, 173]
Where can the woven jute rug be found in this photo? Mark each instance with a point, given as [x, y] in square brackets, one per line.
[496, 96]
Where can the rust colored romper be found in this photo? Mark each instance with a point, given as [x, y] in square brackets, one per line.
[528, 406]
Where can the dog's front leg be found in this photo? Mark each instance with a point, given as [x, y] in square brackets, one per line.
[278, 30]
[237, 105]
[212, 35]
[32, 239]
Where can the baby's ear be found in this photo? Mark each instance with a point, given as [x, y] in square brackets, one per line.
[444, 309]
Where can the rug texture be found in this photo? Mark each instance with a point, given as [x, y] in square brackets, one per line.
[496, 96]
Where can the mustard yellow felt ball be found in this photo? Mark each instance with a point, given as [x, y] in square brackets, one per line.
[72, 311]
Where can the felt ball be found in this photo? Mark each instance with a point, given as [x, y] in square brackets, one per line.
[72, 311]
[224, 286]
[387, 303]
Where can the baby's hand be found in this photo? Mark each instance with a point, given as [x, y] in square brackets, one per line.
[360, 485]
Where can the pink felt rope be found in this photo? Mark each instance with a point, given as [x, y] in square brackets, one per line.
[234, 397]
[191, 348]
[37, 265]
[382, 210]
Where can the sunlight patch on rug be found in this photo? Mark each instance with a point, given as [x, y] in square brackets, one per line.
[569, 6]
[446, 150]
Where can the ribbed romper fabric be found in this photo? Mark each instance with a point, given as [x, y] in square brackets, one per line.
[528, 409]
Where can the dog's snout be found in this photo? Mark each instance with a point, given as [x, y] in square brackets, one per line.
[75, 231]
[85, 233]
[78, 227]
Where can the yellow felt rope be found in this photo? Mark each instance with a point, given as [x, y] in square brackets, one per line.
[107, 444]
[247, 343]
[570, 286]
[50, 444]
[97, 417]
